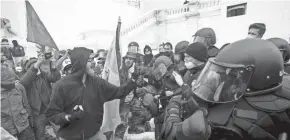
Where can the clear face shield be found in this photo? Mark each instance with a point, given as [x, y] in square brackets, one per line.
[222, 82]
[204, 40]
[133, 49]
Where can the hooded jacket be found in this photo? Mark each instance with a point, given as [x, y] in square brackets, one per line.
[147, 57]
[14, 105]
[92, 94]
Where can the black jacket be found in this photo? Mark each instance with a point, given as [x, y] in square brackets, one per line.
[70, 91]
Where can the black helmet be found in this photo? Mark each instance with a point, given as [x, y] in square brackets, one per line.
[133, 49]
[283, 46]
[208, 34]
[180, 46]
[249, 66]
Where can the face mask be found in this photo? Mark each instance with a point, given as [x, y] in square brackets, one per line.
[168, 54]
[147, 53]
[189, 65]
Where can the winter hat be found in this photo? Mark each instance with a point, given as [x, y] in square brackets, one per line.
[147, 47]
[30, 62]
[198, 51]
[7, 75]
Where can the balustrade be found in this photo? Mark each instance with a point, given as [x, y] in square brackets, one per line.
[160, 15]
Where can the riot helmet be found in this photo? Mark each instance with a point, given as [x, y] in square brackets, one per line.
[283, 46]
[180, 46]
[206, 36]
[133, 47]
[161, 66]
[238, 70]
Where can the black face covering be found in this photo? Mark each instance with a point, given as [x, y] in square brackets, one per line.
[8, 86]
[168, 54]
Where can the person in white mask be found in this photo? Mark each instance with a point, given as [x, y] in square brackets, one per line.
[195, 57]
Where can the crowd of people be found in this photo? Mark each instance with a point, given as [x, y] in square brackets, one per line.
[192, 91]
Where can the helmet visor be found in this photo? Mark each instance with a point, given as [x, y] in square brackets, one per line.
[221, 82]
[133, 49]
[284, 53]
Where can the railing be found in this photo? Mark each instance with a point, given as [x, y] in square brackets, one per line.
[160, 15]
[142, 21]
[208, 4]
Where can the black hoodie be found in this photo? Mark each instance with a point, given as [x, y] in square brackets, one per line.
[147, 57]
[70, 91]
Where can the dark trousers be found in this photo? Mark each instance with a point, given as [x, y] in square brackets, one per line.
[40, 123]
[26, 134]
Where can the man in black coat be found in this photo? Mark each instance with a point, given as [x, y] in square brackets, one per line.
[78, 99]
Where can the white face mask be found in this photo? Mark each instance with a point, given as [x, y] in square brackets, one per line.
[189, 65]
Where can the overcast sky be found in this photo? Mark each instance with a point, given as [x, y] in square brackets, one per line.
[65, 19]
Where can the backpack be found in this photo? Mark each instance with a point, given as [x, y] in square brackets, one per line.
[18, 51]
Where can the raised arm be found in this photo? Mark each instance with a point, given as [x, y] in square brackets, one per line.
[112, 92]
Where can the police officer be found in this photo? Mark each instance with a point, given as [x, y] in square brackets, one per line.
[179, 56]
[240, 105]
[134, 48]
[160, 76]
[207, 37]
[284, 48]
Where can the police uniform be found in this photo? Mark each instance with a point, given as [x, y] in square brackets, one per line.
[247, 97]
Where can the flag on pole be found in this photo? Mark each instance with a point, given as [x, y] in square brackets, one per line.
[111, 118]
[36, 31]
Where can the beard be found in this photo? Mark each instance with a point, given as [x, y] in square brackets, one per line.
[168, 54]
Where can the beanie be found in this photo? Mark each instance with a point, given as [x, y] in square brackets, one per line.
[30, 62]
[198, 51]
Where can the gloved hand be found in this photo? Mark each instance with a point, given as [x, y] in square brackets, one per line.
[138, 79]
[77, 113]
[31, 123]
[134, 76]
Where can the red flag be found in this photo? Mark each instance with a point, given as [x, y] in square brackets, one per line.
[36, 31]
[111, 118]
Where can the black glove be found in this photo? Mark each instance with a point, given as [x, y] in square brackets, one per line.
[134, 76]
[138, 79]
[76, 114]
